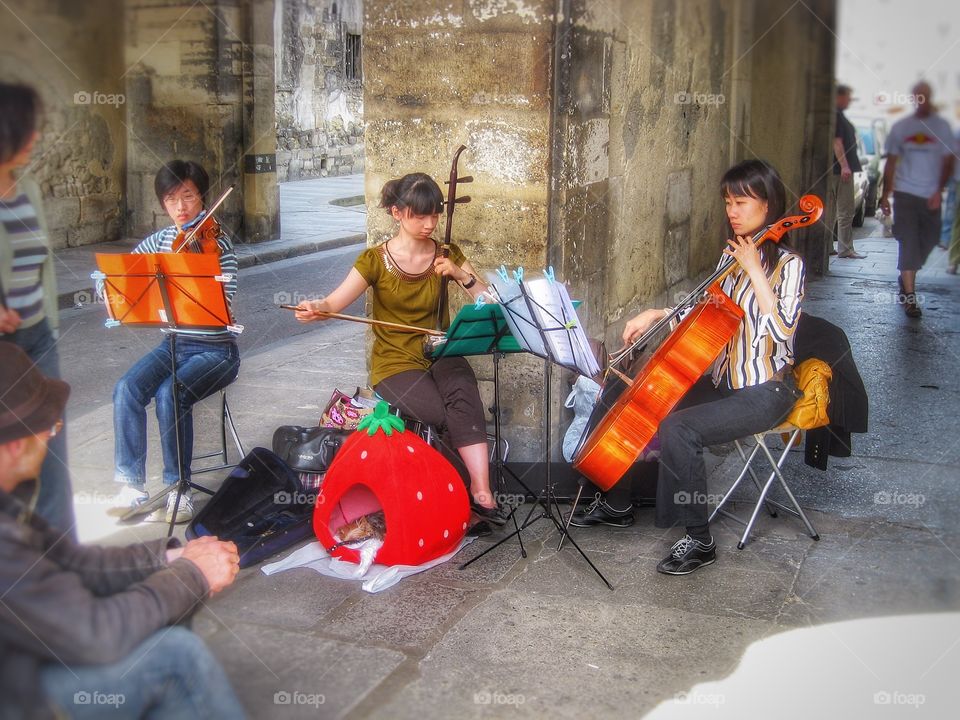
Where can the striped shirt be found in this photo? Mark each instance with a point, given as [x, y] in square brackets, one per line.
[29, 251]
[763, 344]
[162, 242]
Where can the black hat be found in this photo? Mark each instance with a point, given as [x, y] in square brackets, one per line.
[30, 402]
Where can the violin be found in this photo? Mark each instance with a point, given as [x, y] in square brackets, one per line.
[202, 237]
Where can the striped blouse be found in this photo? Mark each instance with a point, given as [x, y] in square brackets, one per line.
[29, 246]
[763, 344]
[162, 242]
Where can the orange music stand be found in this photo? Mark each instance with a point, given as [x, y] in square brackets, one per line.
[175, 291]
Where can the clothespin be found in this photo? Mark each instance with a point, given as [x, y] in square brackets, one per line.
[502, 272]
[97, 275]
[548, 273]
[111, 323]
[481, 301]
[570, 324]
[518, 274]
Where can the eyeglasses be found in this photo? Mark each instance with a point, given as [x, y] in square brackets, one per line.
[187, 198]
[56, 428]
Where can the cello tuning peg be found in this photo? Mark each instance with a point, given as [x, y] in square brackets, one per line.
[468, 178]
[464, 199]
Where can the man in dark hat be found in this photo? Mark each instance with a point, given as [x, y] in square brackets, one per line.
[84, 630]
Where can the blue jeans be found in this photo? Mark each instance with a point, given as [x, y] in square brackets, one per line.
[203, 368]
[55, 499]
[170, 675]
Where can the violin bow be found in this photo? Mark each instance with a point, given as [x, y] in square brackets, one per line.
[451, 203]
[193, 231]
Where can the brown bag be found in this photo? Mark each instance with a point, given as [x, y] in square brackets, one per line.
[813, 380]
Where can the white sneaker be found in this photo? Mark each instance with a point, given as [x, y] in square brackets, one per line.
[129, 497]
[184, 511]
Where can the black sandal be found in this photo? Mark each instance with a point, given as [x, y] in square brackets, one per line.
[495, 515]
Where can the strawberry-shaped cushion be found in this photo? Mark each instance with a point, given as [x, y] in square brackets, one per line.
[383, 466]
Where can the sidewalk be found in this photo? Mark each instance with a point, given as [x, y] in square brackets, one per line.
[309, 222]
[825, 623]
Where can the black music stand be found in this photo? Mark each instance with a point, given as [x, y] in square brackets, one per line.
[176, 291]
[540, 331]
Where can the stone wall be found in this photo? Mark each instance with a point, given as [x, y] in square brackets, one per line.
[71, 54]
[597, 138]
[319, 110]
[475, 73]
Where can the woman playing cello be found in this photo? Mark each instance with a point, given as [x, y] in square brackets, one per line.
[405, 275]
[751, 387]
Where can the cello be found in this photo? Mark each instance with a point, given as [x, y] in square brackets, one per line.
[627, 427]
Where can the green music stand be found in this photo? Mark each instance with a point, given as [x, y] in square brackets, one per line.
[484, 330]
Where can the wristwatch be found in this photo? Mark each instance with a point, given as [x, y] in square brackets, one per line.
[470, 283]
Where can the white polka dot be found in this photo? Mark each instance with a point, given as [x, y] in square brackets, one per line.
[421, 542]
[363, 455]
[450, 487]
[446, 533]
[464, 526]
[409, 448]
[419, 495]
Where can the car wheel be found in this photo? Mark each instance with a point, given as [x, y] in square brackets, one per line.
[871, 202]
[858, 216]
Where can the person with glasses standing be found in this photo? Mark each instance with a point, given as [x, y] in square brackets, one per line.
[207, 360]
[28, 282]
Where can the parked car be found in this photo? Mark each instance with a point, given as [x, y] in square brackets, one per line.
[873, 134]
[861, 188]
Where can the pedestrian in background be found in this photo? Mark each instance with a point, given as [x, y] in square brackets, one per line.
[845, 163]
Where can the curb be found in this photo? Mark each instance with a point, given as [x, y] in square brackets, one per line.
[247, 256]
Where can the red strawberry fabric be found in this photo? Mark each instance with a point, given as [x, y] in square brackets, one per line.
[423, 498]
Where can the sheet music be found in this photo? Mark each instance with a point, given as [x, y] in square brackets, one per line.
[517, 314]
[562, 327]
[541, 309]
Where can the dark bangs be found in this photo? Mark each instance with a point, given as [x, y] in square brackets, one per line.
[416, 192]
[756, 179]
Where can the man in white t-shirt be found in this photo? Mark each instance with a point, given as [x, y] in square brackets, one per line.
[919, 164]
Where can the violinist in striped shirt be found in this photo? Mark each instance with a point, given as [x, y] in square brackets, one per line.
[207, 360]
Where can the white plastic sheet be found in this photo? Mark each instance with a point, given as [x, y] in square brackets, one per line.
[375, 577]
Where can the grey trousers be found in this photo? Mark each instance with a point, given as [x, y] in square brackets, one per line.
[710, 416]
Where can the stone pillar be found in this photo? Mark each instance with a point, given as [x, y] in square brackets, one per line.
[74, 60]
[261, 195]
[184, 100]
[479, 74]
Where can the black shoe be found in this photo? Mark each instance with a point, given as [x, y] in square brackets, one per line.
[911, 308]
[687, 555]
[496, 515]
[480, 529]
[599, 513]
